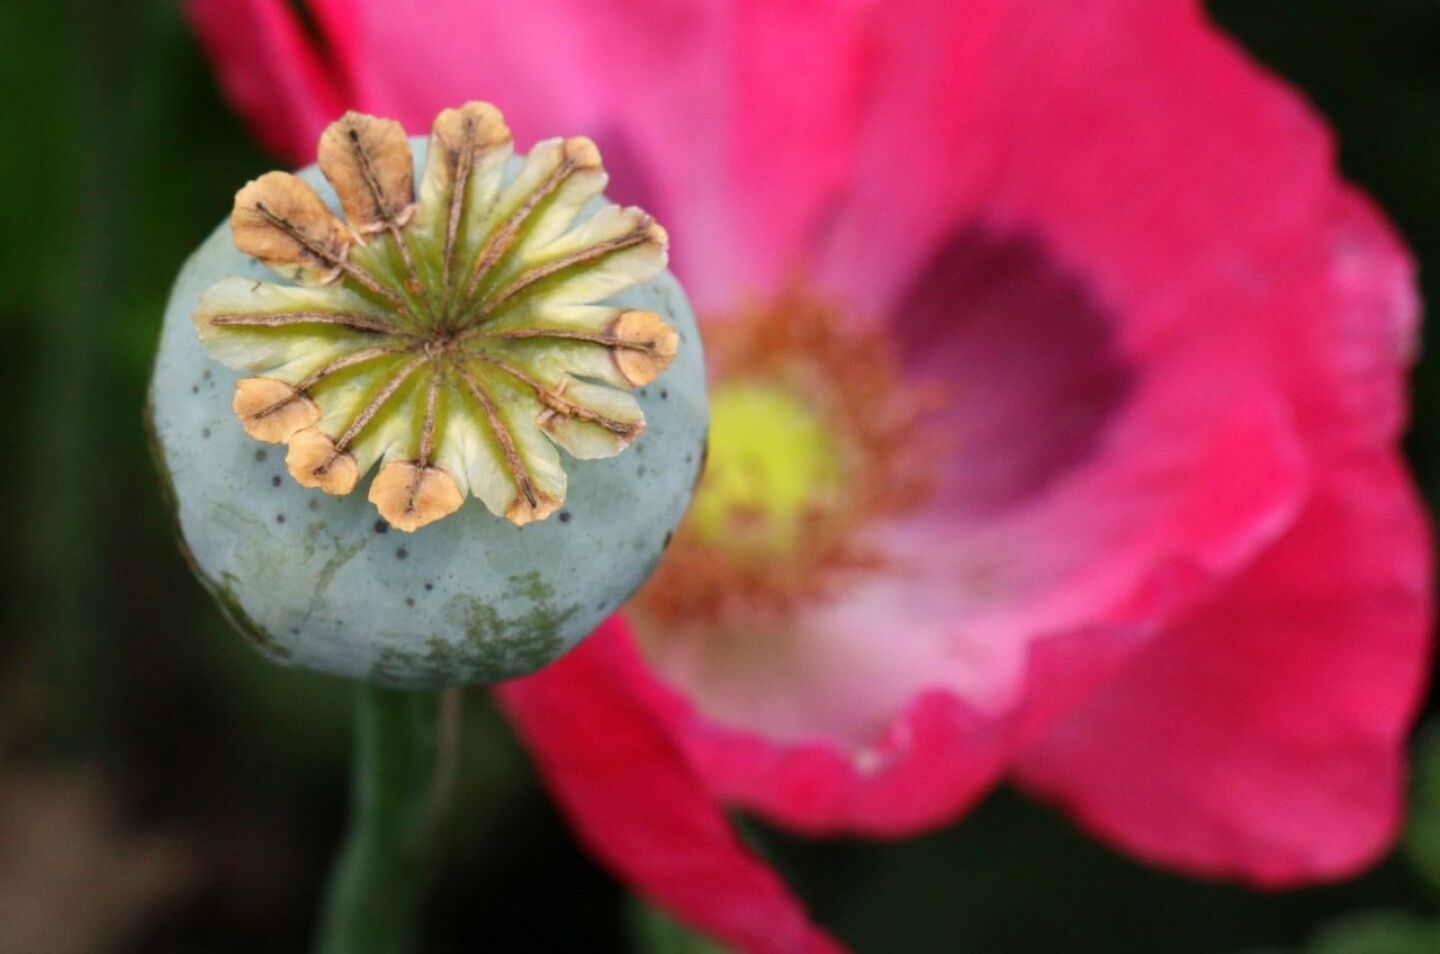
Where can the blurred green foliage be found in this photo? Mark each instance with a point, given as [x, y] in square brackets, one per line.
[1421, 845]
[653, 932]
[119, 156]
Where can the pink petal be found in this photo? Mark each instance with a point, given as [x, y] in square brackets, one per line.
[1126, 134]
[1264, 738]
[1195, 202]
[639, 807]
[894, 706]
[687, 99]
[270, 72]
[935, 759]
[1188, 462]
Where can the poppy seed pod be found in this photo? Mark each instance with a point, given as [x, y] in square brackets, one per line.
[502, 332]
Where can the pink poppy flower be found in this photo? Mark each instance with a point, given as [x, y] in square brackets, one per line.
[1072, 375]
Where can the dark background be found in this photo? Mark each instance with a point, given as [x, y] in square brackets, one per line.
[162, 789]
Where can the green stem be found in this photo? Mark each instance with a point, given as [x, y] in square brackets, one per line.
[377, 881]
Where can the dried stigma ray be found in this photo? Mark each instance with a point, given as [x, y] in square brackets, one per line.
[457, 340]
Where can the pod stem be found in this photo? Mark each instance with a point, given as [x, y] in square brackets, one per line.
[404, 744]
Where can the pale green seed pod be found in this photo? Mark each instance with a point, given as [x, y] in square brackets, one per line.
[331, 584]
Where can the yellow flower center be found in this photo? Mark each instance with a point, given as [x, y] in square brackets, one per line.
[774, 465]
[815, 436]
